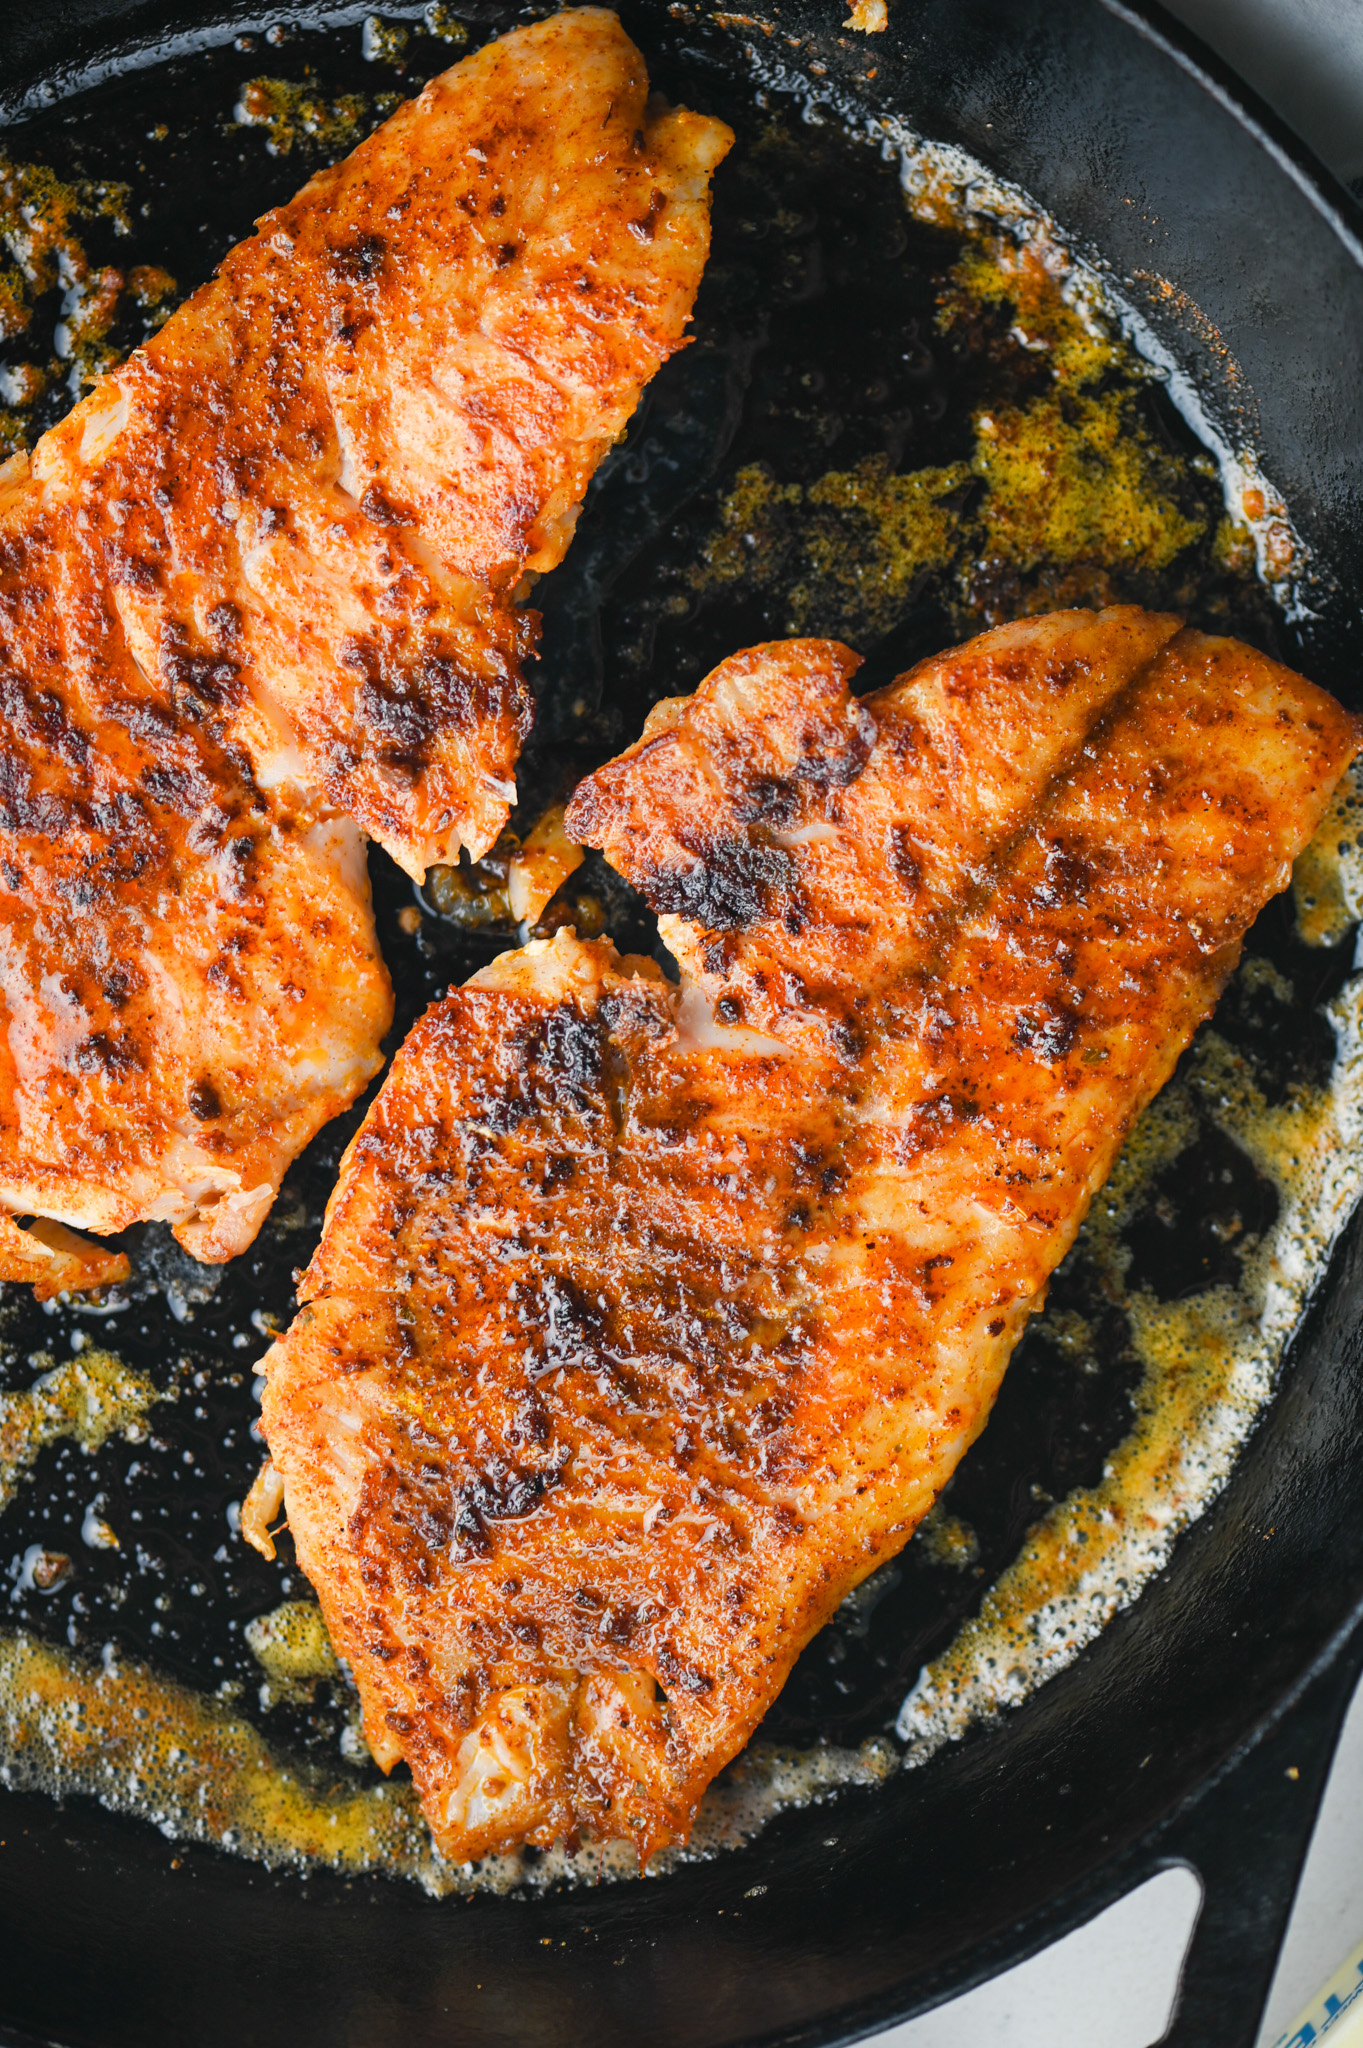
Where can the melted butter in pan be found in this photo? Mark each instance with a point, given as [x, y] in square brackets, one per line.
[199, 1772]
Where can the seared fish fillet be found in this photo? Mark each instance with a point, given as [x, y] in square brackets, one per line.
[648, 1320]
[257, 599]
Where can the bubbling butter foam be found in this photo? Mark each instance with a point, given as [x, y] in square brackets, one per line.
[90, 1398]
[1210, 1361]
[141, 1744]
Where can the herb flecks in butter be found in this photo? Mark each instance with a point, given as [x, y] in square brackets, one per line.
[1078, 480]
[849, 551]
[1027, 280]
[141, 1743]
[45, 228]
[90, 1398]
[298, 114]
[1327, 881]
[948, 1540]
[441, 21]
[1067, 496]
[293, 1649]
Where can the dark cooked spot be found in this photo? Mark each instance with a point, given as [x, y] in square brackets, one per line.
[107, 1053]
[504, 1493]
[506, 253]
[683, 1677]
[646, 227]
[359, 654]
[618, 1625]
[381, 510]
[571, 1331]
[204, 1101]
[401, 724]
[846, 1041]
[224, 623]
[772, 800]
[183, 790]
[131, 571]
[931, 1121]
[1067, 879]
[630, 1016]
[732, 884]
[554, 1065]
[119, 984]
[358, 262]
[38, 717]
[451, 693]
[834, 766]
[210, 677]
[1049, 1036]
[903, 860]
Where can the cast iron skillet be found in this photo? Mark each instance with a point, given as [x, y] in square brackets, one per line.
[1171, 1739]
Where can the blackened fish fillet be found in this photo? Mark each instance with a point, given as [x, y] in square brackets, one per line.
[258, 599]
[649, 1320]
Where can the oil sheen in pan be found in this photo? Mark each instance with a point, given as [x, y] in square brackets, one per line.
[906, 414]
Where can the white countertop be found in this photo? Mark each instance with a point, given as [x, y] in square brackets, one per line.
[1112, 1983]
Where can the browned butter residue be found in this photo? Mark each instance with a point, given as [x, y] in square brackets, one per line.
[1067, 496]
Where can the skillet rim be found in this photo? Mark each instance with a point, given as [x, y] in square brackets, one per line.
[1074, 1905]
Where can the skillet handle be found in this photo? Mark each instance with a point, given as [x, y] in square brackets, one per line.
[1247, 1838]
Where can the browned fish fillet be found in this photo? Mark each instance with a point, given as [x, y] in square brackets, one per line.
[257, 596]
[648, 1321]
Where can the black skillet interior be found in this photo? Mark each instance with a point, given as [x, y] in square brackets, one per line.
[844, 1916]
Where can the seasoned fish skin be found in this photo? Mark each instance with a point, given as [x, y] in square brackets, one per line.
[805, 850]
[190, 978]
[257, 599]
[318, 488]
[636, 1338]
